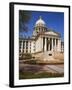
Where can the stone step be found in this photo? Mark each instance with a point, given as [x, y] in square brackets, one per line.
[50, 56]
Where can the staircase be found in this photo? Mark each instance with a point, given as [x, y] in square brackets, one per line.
[45, 56]
[52, 57]
[48, 56]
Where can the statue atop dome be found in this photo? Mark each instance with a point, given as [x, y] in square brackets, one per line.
[40, 17]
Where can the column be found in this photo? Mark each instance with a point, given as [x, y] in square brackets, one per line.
[49, 44]
[22, 47]
[28, 46]
[52, 44]
[59, 45]
[55, 44]
[42, 43]
[25, 47]
[45, 45]
[43, 29]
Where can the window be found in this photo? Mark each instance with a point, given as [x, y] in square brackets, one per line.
[19, 46]
[19, 50]
[23, 44]
[26, 50]
[34, 42]
[30, 43]
[26, 44]
[23, 50]
[34, 46]
[30, 51]
[34, 49]
[30, 47]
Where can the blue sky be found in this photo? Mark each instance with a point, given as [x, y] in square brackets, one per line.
[53, 20]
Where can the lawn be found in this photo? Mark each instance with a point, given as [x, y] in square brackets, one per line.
[31, 75]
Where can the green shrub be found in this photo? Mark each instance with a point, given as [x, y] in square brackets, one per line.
[25, 56]
[30, 62]
[30, 75]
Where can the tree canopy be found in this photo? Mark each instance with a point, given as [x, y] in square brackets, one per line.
[24, 18]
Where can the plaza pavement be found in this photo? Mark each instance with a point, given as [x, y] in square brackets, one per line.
[38, 68]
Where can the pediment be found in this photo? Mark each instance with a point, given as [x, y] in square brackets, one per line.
[52, 33]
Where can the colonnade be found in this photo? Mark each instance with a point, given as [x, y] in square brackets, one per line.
[51, 44]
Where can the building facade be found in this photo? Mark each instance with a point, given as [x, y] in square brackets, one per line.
[43, 40]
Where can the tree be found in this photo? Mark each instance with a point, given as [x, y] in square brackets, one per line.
[24, 18]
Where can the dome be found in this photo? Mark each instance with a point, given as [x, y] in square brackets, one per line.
[40, 22]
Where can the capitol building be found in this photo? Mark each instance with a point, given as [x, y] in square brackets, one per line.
[44, 43]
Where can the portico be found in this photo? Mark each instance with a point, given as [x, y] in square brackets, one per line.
[51, 44]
